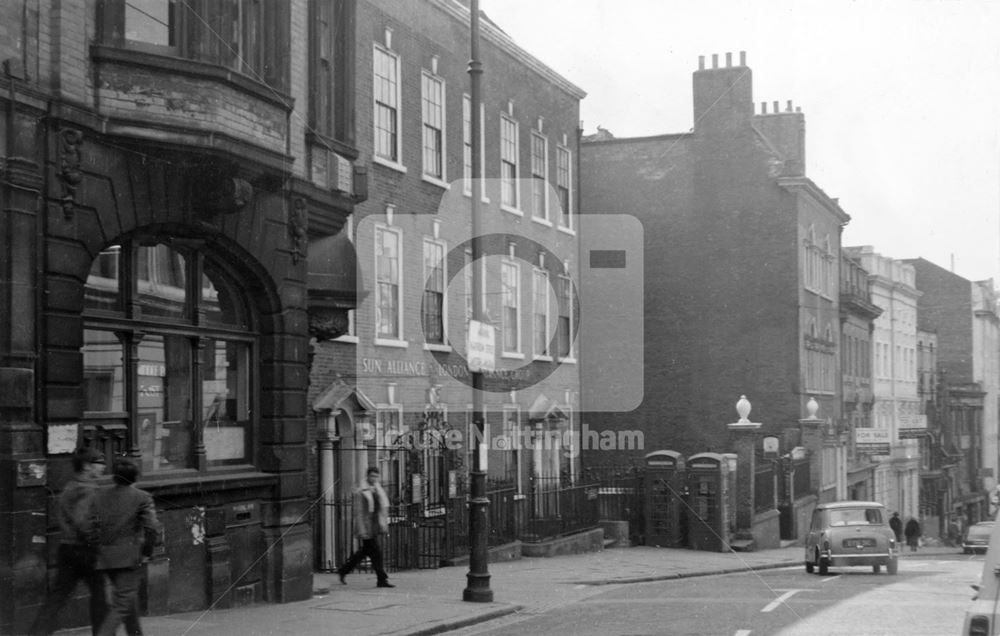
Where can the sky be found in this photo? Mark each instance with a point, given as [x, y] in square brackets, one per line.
[901, 98]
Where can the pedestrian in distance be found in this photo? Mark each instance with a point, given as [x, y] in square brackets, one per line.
[897, 527]
[128, 531]
[76, 553]
[371, 518]
[912, 533]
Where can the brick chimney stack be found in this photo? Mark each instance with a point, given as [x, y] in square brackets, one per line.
[723, 99]
[787, 131]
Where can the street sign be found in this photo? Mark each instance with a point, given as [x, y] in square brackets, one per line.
[481, 347]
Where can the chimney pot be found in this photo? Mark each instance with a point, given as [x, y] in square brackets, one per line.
[789, 109]
[743, 58]
[701, 62]
[776, 109]
[763, 108]
[798, 109]
[715, 60]
[729, 59]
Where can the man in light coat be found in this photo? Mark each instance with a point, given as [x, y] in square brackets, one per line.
[76, 553]
[128, 530]
[371, 518]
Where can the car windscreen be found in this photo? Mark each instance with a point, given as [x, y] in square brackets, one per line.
[855, 517]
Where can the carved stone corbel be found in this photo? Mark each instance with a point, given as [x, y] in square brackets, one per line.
[298, 218]
[70, 174]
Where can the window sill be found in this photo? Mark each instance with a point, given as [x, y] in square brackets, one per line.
[512, 355]
[347, 339]
[430, 346]
[541, 221]
[541, 358]
[569, 360]
[566, 230]
[389, 163]
[514, 211]
[426, 178]
[468, 193]
[387, 342]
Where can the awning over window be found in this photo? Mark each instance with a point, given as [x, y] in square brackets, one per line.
[334, 285]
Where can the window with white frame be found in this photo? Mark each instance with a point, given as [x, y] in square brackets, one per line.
[540, 313]
[434, 306]
[466, 144]
[539, 176]
[508, 162]
[387, 116]
[389, 289]
[563, 179]
[564, 322]
[510, 295]
[433, 117]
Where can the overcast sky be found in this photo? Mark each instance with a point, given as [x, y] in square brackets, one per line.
[901, 98]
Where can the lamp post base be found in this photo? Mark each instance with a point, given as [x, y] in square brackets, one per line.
[478, 589]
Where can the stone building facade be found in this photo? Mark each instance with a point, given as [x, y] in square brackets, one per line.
[166, 173]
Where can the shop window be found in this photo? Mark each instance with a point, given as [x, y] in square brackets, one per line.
[167, 375]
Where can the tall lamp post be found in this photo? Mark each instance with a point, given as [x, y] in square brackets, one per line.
[477, 588]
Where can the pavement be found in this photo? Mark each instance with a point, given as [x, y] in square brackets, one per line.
[430, 601]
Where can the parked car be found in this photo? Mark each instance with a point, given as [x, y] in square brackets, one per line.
[848, 533]
[977, 537]
[982, 618]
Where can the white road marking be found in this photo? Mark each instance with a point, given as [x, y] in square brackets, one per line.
[742, 632]
[830, 578]
[770, 607]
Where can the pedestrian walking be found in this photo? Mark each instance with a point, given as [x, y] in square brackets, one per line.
[371, 518]
[912, 532]
[896, 524]
[128, 531]
[76, 553]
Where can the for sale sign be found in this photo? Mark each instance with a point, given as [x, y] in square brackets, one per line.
[872, 440]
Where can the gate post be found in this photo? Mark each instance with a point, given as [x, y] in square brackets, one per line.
[743, 435]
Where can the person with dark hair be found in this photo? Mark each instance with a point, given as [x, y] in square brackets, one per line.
[896, 524]
[371, 518]
[128, 530]
[76, 553]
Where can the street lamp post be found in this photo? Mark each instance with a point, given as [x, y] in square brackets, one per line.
[477, 588]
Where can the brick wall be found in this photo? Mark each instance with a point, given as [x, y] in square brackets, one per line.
[946, 307]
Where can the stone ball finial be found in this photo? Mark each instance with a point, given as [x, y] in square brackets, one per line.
[743, 408]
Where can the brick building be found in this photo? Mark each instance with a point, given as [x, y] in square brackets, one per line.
[741, 269]
[166, 171]
[963, 315]
[408, 385]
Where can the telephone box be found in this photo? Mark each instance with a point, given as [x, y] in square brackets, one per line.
[707, 509]
[664, 488]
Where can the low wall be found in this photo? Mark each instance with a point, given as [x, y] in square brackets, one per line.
[616, 533]
[497, 554]
[802, 510]
[586, 541]
[767, 530]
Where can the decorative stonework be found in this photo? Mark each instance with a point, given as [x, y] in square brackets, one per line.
[70, 174]
[297, 223]
[327, 323]
[21, 173]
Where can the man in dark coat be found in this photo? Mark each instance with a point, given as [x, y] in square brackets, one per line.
[371, 518]
[912, 532]
[897, 527]
[76, 552]
[128, 527]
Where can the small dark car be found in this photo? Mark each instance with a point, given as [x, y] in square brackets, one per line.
[977, 537]
[847, 533]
